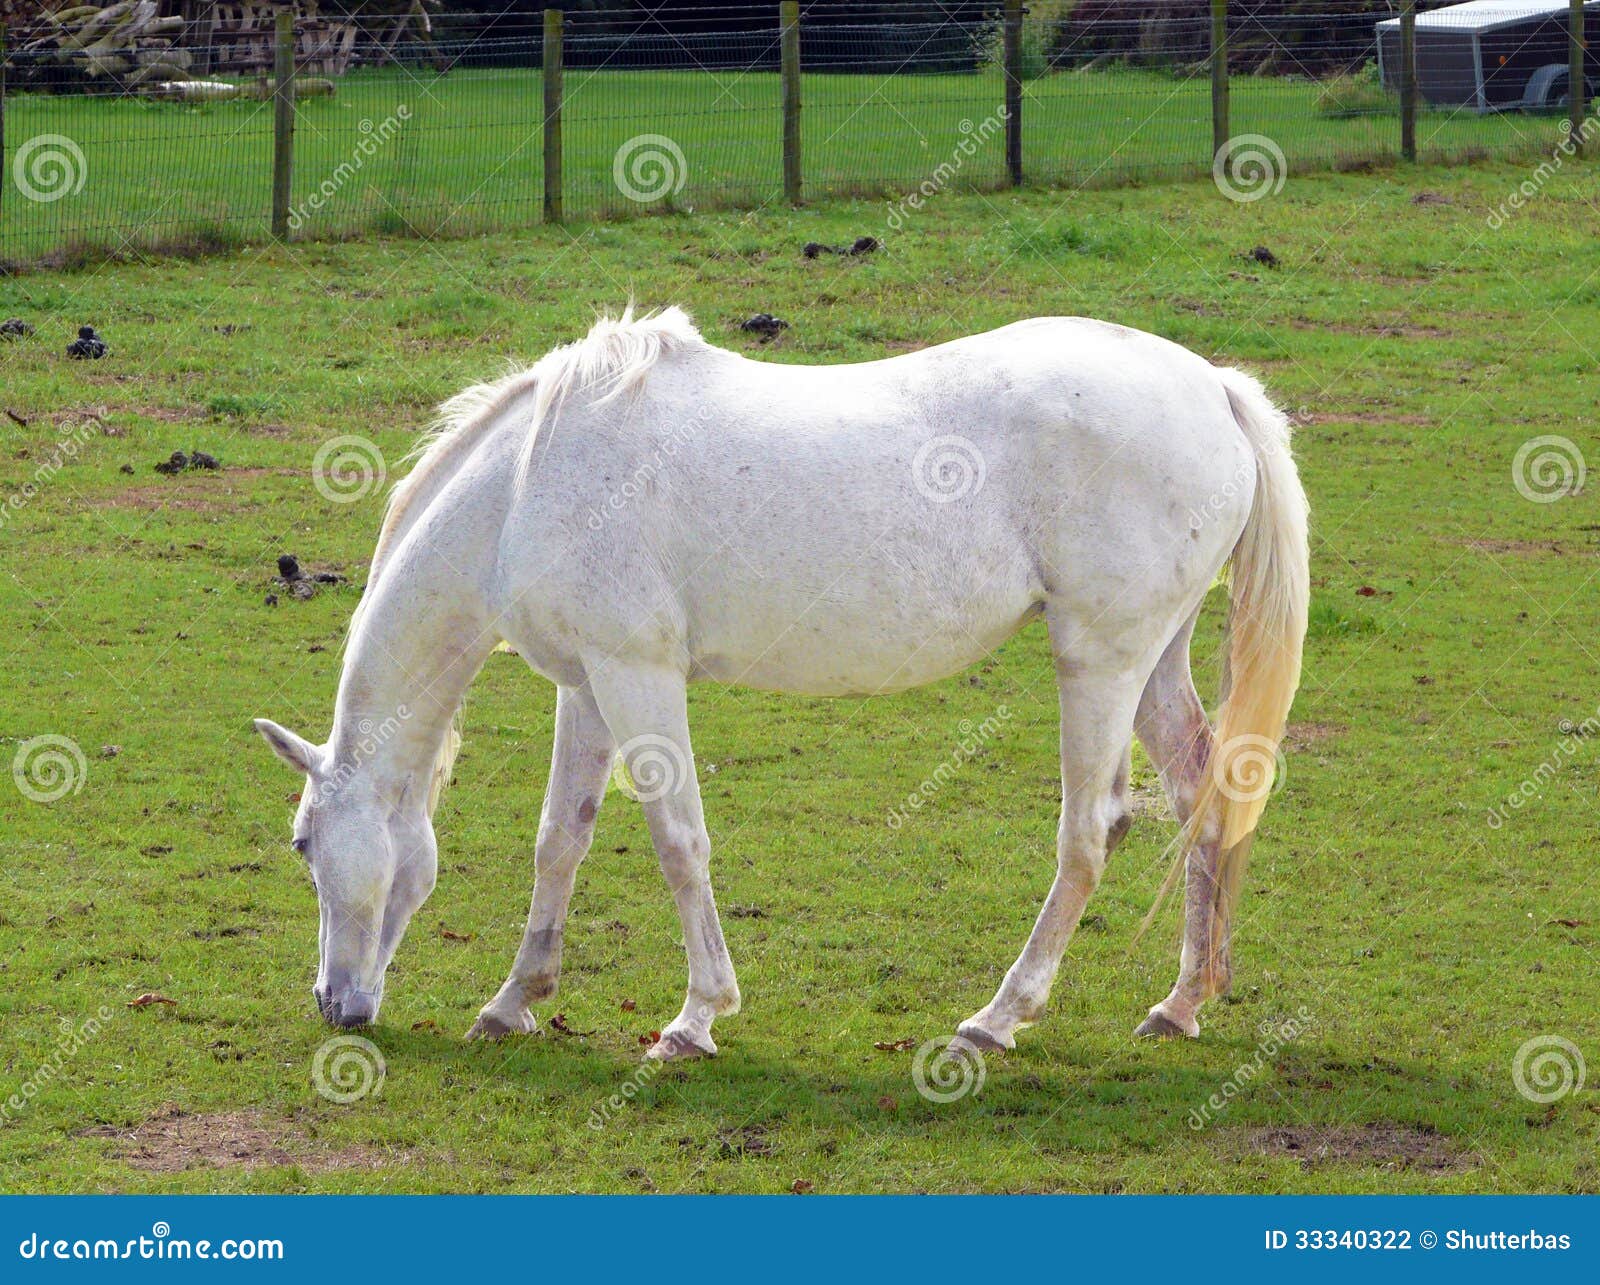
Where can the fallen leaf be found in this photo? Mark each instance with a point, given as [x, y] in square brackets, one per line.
[896, 1046]
[559, 1023]
[149, 998]
[1565, 923]
[887, 1103]
[1366, 591]
[450, 935]
[426, 1024]
[801, 1186]
[628, 1005]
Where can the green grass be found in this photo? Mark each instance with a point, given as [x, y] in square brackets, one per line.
[409, 152]
[1454, 631]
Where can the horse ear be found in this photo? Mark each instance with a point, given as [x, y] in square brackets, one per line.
[294, 750]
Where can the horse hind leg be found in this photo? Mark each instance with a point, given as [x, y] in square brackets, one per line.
[1175, 732]
[1096, 741]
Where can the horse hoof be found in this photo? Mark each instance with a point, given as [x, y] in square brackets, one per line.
[971, 1036]
[675, 1046]
[1159, 1027]
[491, 1026]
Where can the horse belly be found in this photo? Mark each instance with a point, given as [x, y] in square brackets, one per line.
[853, 639]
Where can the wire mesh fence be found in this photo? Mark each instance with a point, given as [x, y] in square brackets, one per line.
[175, 140]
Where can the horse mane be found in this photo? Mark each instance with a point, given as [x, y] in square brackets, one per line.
[612, 360]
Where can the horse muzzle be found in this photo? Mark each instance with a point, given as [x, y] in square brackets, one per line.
[353, 1008]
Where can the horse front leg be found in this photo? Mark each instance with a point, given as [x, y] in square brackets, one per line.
[580, 766]
[1096, 740]
[647, 711]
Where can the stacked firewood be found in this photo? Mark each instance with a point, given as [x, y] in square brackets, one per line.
[127, 44]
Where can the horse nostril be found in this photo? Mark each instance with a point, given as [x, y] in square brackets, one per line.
[357, 1010]
[324, 1003]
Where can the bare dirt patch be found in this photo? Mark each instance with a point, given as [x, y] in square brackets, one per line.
[1382, 1146]
[1299, 736]
[1311, 418]
[173, 1140]
[1524, 548]
[196, 493]
[1383, 330]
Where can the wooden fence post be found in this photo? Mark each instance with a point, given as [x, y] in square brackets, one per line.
[1408, 79]
[553, 63]
[1221, 127]
[3, 48]
[283, 126]
[1577, 84]
[789, 20]
[1013, 59]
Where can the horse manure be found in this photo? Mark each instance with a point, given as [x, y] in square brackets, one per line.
[861, 245]
[1263, 256]
[765, 325]
[179, 462]
[299, 584]
[88, 346]
[15, 328]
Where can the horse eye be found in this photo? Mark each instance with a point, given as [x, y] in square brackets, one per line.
[300, 846]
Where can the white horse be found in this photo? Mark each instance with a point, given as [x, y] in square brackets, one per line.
[642, 510]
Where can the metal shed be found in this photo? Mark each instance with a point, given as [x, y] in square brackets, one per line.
[1492, 55]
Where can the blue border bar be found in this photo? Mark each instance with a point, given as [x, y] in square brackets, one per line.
[796, 1238]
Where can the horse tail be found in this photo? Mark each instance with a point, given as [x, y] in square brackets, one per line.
[1266, 630]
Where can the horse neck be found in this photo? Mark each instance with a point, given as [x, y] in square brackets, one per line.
[421, 637]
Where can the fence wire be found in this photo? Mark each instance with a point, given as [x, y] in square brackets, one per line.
[444, 132]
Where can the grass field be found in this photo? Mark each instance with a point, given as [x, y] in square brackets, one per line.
[410, 151]
[1414, 945]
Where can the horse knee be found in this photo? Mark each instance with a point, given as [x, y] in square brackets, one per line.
[684, 854]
